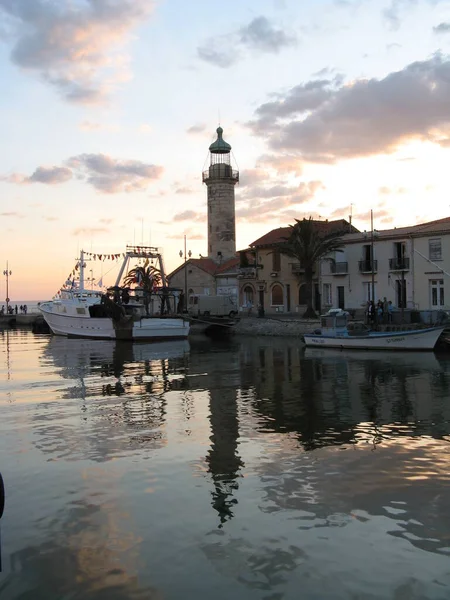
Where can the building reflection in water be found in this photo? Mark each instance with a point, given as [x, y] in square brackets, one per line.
[216, 368]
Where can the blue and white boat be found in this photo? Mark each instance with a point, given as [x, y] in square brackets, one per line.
[337, 332]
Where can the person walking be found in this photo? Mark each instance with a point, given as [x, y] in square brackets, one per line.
[249, 306]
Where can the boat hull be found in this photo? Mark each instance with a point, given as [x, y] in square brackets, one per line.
[421, 339]
[151, 328]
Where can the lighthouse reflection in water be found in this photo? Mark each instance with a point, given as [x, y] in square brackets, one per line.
[244, 469]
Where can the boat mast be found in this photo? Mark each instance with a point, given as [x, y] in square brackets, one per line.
[81, 263]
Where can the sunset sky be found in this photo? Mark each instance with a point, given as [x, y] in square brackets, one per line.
[108, 108]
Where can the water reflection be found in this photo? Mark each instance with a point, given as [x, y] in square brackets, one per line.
[246, 468]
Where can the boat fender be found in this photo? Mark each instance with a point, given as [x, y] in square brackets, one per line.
[2, 496]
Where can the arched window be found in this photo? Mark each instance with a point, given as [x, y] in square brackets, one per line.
[248, 295]
[277, 295]
[303, 294]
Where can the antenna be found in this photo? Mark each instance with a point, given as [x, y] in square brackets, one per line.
[218, 115]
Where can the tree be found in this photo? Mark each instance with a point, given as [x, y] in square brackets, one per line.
[146, 277]
[308, 245]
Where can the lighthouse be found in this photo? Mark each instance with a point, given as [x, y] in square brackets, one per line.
[220, 179]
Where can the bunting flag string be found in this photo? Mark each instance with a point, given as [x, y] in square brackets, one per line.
[96, 256]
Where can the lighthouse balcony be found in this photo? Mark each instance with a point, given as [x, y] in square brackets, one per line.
[220, 171]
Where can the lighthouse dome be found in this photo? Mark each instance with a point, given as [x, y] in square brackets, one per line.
[220, 146]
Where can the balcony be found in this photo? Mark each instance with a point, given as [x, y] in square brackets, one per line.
[220, 172]
[399, 264]
[367, 266]
[339, 268]
[247, 273]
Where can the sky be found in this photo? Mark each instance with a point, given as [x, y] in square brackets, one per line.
[332, 108]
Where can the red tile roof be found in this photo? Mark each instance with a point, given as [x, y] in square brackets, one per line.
[279, 235]
[432, 227]
[209, 266]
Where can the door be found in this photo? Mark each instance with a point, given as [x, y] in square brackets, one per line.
[317, 297]
[437, 293]
[288, 297]
[341, 296]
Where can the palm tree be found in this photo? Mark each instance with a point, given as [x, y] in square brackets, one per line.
[146, 277]
[306, 244]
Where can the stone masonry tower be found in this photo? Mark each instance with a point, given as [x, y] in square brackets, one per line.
[220, 179]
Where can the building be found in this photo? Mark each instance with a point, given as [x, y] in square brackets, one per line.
[216, 273]
[276, 281]
[204, 276]
[408, 265]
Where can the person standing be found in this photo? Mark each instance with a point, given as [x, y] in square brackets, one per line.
[385, 310]
[249, 306]
[390, 311]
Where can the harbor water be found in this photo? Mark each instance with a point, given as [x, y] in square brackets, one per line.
[244, 469]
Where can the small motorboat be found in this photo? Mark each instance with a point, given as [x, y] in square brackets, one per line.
[338, 332]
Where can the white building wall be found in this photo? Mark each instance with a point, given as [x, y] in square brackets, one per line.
[420, 277]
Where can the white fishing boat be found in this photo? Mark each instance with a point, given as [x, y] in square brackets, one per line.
[118, 312]
[337, 332]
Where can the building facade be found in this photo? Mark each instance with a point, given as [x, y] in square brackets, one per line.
[276, 281]
[408, 265]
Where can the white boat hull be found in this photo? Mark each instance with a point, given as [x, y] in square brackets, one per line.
[420, 339]
[151, 328]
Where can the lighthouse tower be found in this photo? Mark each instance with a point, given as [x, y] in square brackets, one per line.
[220, 180]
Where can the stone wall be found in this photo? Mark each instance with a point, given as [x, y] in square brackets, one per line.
[197, 280]
[221, 219]
[275, 327]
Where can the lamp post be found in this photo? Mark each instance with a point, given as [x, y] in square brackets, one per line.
[372, 257]
[186, 255]
[7, 273]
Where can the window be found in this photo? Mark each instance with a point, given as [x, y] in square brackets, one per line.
[435, 249]
[327, 294]
[276, 260]
[277, 295]
[437, 293]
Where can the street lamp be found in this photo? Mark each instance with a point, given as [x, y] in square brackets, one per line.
[7, 273]
[186, 255]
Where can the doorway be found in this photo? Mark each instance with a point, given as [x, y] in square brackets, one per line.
[341, 296]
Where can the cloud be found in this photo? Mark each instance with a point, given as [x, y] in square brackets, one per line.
[184, 190]
[50, 219]
[442, 28]
[104, 173]
[89, 231]
[47, 175]
[259, 35]
[262, 204]
[190, 215]
[362, 118]
[250, 177]
[50, 175]
[384, 190]
[74, 46]
[10, 214]
[223, 58]
[283, 165]
[194, 129]
[111, 175]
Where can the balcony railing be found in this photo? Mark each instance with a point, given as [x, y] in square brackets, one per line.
[247, 273]
[399, 264]
[226, 172]
[339, 268]
[367, 266]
